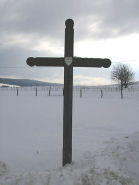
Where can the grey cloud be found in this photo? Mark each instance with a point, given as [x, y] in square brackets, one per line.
[16, 56]
[122, 16]
[113, 19]
[15, 60]
[47, 17]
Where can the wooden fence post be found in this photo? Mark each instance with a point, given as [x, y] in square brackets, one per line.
[80, 93]
[101, 94]
[49, 91]
[17, 91]
[36, 91]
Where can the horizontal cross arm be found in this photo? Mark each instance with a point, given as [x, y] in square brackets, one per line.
[40, 61]
[91, 62]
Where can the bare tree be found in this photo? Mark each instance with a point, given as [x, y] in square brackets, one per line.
[122, 73]
[128, 74]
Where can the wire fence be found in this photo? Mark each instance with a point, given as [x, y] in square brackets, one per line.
[78, 91]
[75, 88]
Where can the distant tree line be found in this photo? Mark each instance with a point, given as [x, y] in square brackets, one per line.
[26, 82]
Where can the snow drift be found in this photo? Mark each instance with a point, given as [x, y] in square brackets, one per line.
[115, 164]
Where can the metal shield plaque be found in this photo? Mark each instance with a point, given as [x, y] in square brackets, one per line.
[68, 60]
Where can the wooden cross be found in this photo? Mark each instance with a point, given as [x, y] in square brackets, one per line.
[68, 62]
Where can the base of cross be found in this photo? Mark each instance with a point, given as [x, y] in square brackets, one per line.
[68, 62]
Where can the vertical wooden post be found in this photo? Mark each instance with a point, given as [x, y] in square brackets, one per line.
[101, 94]
[36, 91]
[80, 93]
[68, 90]
[49, 91]
[121, 89]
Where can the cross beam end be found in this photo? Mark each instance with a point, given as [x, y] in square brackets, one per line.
[45, 61]
[106, 63]
[91, 62]
[31, 61]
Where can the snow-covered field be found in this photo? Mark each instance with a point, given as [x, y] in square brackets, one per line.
[105, 138]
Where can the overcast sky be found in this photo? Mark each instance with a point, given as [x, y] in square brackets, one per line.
[102, 29]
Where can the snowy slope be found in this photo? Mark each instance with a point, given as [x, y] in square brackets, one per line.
[105, 140]
[116, 164]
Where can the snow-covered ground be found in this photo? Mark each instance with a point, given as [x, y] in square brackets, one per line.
[105, 138]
